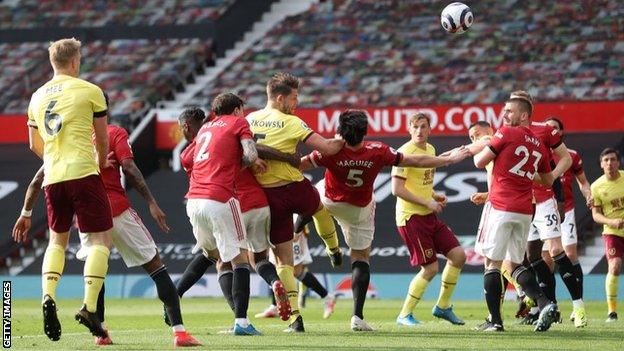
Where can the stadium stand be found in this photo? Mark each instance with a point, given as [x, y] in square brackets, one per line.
[389, 53]
[49, 13]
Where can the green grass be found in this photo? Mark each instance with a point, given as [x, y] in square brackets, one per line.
[136, 324]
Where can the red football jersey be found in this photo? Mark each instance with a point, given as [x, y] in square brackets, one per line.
[551, 139]
[249, 192]
[217, 158]
[569, 177]
[350, 174]
[186, 158]
[120, 148]
[519, 155]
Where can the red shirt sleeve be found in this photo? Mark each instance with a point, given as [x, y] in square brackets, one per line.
[390, 157]
[554, 138]
[317, 159]
[577, 163]
[544, 163]
[498, 141]
[243, 130]
[120, 145]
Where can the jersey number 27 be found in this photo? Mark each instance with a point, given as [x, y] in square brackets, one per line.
[524, 152]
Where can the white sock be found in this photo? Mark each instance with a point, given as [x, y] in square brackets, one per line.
[578, 304]
[242, 322]
[178, 328]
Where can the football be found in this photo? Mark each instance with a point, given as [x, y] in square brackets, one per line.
[456, 18]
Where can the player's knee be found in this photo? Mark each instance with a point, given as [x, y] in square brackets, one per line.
[223, 266]
[571, 252]
[298, 270]
[429, 271]
[457, 257]
[615, 266]
[154, 264]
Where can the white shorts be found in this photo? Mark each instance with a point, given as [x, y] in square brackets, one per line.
[503, 235]
[217, 225]
[301, 251]
[357, 223]
[568, 231]
[546, 221]
[257, 225]
[129, 236]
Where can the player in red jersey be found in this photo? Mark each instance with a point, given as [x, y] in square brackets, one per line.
[224, 145]
[129, 234]
[349, 178]
[518, 157]
[569, 236]
[545, 227]
[255, 210]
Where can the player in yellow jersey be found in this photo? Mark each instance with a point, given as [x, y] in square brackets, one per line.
[608, 210]
[287, 190]
[422, 231]
[62, 116]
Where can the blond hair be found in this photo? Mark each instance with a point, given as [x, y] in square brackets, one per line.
[524, 98]
[418, 116]
[63, 51]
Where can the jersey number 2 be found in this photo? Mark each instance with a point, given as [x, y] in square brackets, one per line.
[203, 153]
[524, 152]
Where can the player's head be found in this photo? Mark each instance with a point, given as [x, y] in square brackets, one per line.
[479, 129]
[352, 126]
[227, 104]
[190, 121]
[518, 109]
[283, 92]
[610, 160]
[65, 56]
[420, 127]
[555, 123]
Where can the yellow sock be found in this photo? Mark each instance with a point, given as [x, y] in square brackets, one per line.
[325, 227]
[450, 275]
[510, 279]
[52, 269]
[414, 293]
[611, 286]
[95, 269]
[286, 274]
[302, 288]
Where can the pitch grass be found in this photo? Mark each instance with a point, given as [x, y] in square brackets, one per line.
[136, 324]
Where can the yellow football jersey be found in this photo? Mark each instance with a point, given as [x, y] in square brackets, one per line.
[610, 196]
[282, 132]
[419, 181]
[63, 110]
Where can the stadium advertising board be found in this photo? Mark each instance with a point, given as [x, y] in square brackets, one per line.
[446, 119]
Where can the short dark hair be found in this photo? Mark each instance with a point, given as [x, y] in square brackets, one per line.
[557, 120]
[480, 123]
[225, 104]
[353, 125]
[418, 116]
[282, 84]
[192, 114]
[609, 150]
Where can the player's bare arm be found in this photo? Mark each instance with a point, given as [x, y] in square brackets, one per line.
[399, 190]
[101, 141]
[546, 179]
[565, 160]
[484, 157]
[35, 142]
[250, 153]
[600, 218]
[23, 223]
[428, 161]
[268, 153]
[323, 145]
[135, 178]
[584, 186]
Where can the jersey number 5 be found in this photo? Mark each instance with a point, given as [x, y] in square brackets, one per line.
[524, 152]
[354, 179]
[203, 153]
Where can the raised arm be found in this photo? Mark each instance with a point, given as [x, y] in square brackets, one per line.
[484, 157]
[428, 161]
[135, 178]
[585, 188]
[23, 223]
[324, 146]
[565, 160]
